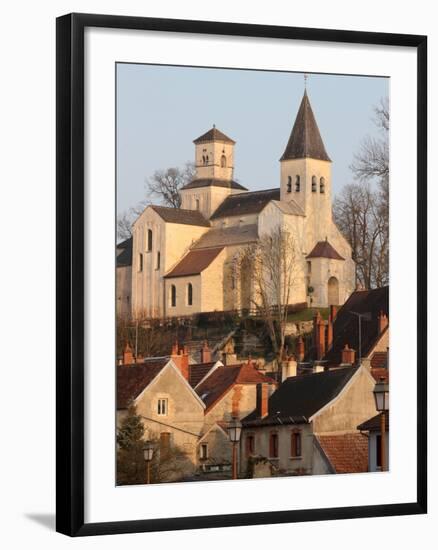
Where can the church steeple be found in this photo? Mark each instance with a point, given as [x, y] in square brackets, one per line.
[305, 140]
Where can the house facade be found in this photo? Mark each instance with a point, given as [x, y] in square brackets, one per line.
[183, 259]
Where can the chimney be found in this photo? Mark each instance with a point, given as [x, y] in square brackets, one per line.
[128, 356]
[382, 321]
[348, 356]
[262, 400]
[319, 335]
[205, 353]
[289, 368]
[300, 349]
[331, 320]
[184, 362]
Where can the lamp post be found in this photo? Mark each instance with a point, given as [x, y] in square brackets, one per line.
[360, 316]
[234, 430]
[381, 395]
[148, 453]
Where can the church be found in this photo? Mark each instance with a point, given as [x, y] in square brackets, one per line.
[182, 258]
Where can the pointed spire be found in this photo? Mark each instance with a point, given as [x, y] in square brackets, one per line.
[305, 140]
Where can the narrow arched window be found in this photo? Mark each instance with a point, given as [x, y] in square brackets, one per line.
[297, 184]
[189, 294]
[149, 240]
[322, 185]
[289, 184]
[313, 184]
[197, 204]
[223, 161]
[158, 260]
[206, 159]
[173, 295]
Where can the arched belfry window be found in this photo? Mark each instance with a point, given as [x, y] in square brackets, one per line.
[173, 295]
[196, 204]
[297, 184]
[149, 239]
[289, 184]
[322, 185]
[223, 161]
[189, 294]
[313, 184]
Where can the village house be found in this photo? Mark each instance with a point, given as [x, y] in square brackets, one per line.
[309, 425]
[184, 258]
[372, 428]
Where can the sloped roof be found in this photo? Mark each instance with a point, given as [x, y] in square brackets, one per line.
[245, 203]
[213, 135]
[373, 424]
[305, 140]
[290, 207]
[223, 378]
[194, 262]
[124, 253]
[181, 216]
[347, 453]
[214, 182]
[345, 328]
[300, 397]
[379, 359]
[133, 379]
[198, 371]
[227, 236]
[323, 249]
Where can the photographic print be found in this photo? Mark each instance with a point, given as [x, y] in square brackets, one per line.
[252, 274]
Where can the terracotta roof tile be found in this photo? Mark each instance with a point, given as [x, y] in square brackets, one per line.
[323, 249]
[379, 359]
[347, 453]
[181, 216]
[198, 371]
[194, 262]
[133, 379]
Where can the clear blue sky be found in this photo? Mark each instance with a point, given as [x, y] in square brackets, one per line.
[161, 110]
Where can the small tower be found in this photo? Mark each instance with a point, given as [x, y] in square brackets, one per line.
[306, 171]
[214, 162]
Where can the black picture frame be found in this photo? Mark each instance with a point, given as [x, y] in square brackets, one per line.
[70, 273]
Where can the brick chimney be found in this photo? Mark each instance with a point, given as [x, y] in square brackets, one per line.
[383, 321]
[348, 356]
[128, 355]
[205, 353]
[262, 400]
[319, 336]
[300, 352]
[180, 357]
[331, 320]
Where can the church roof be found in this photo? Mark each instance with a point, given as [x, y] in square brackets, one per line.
[323, 249]
[245, 203]
[214, 182]
[194, 262]
[305, 140]
[227, 236]
[124, 253]
[181, 216]
[290, 207]
[213, 135]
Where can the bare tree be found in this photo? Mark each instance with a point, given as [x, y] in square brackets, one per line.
[361, 210]
[272, 261]
[165, 185]
[124, 225]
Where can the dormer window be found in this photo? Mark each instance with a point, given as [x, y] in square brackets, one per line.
[322, 185]
[297, 184]
[313, 184]
[289, 184]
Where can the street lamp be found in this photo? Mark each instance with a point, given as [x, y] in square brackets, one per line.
[381, 396]
[234, 430]
[148, 453]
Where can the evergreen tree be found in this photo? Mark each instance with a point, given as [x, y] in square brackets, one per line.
[131, 467]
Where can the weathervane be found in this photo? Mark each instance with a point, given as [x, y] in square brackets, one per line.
[306, 76]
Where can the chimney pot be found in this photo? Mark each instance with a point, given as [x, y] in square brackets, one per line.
[262, 400]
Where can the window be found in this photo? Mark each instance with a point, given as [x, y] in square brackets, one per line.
[140, 262]
[203, 451]
[297, 184]
[162, 407]
[189, 294]
[379, 451]
[173, 296]
[250, 445]
[309, 267]
[196, 204]
[295, 449]
[313, 184]
[149, 240]
[322, 185]
[273, 445]
[289, 184]
[158, 260]
[223, 161]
